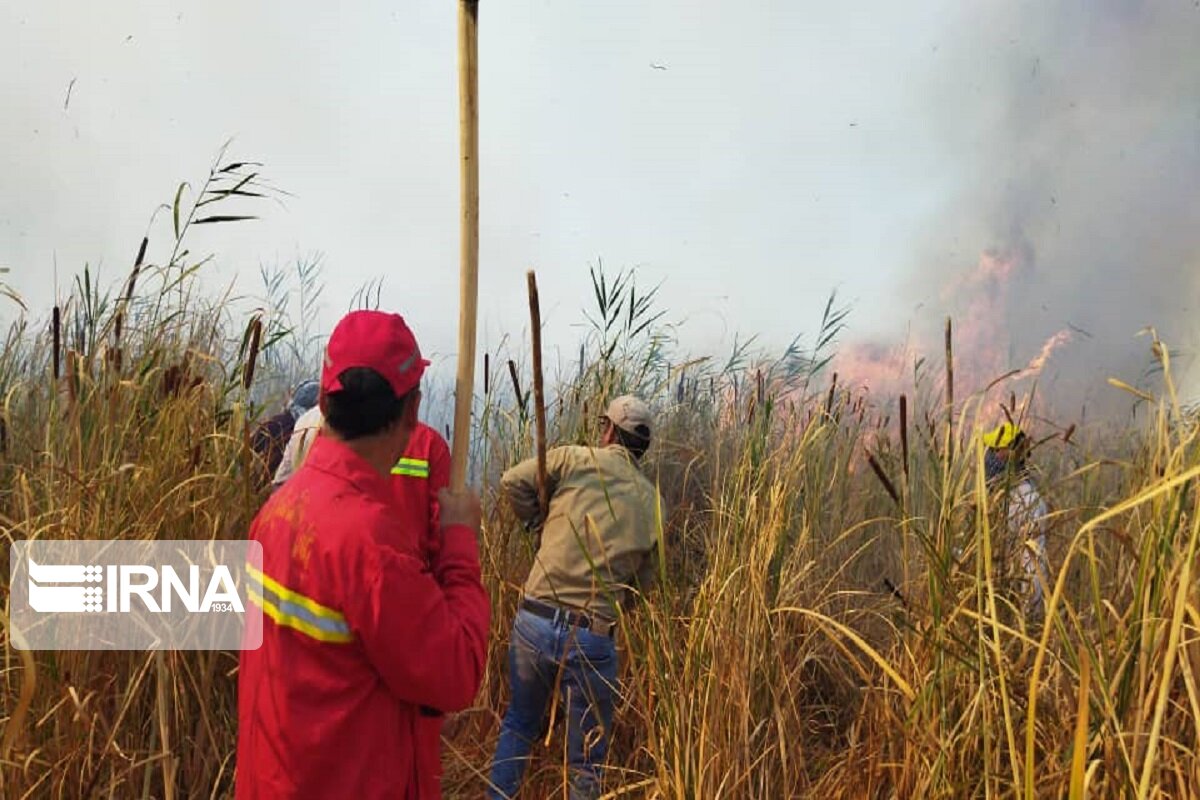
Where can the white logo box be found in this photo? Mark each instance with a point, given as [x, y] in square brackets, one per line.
[114, 594]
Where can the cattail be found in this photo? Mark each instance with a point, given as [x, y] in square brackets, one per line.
[1069, 433]
[888, 486]
[137, 265]
[56, 329]
[512, 372]
[178, 378]
[255, 334]
[447, 431]
[129, 287]
[486, 374]
[761, 388]
[904, 433]
[949, 388]
[829, 398]
[895, 592]
[117, 328]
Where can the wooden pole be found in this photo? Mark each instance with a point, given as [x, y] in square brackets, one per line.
[539, 398]
[468, 107]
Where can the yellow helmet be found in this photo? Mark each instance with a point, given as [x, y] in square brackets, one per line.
[1002, 437]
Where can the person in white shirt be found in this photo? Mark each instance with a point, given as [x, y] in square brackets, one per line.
[307, 426]
[1006, 467]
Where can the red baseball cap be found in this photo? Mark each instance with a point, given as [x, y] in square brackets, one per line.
[376, 340]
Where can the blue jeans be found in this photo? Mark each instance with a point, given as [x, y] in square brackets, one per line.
[538, 650]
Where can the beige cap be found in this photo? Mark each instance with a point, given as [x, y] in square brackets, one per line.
[628, 412]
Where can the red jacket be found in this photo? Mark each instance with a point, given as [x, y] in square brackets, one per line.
[358, 635]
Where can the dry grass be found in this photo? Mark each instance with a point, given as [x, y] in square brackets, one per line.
[812, 634]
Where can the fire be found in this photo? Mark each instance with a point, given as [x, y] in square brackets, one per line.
[1038, 363]
[879, 369]
[980, 302]
[981, 340]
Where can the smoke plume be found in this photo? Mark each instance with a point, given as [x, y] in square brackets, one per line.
[1077, 125]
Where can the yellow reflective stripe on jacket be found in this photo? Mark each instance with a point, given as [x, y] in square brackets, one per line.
[413, 467]
[294, 610]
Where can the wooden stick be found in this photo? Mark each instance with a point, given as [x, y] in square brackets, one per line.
[539, 398]
[468, 138]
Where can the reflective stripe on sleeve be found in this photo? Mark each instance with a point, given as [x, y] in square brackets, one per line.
[412, 467]
[293, 610]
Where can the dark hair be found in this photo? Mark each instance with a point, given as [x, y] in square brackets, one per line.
[635, 443]
[364, 406]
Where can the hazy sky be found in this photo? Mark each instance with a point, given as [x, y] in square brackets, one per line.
[751, 156]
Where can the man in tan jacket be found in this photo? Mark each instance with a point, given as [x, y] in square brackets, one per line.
[598, 545]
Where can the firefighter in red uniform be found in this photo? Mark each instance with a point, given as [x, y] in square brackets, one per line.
[417, 477]
[368, 633]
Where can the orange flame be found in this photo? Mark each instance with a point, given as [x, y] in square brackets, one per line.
[1038, 363]
[982, 340]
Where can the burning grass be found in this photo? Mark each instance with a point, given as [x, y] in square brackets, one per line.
[826, 624]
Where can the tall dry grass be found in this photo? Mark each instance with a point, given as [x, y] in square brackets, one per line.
[825, 625]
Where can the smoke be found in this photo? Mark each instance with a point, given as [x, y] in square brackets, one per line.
[1077, 128]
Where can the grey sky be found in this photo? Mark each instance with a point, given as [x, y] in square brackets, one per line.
[784, 150]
